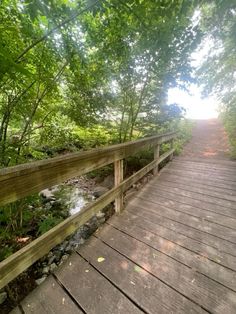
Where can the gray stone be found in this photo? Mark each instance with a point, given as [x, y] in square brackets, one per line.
[100, 215]
[51, 259]
[57, 255]
[102, 220]
[108, 181]
[47, 195]
[40, 280]
[69, 249]
[3, 297]
[64, 257]
[53, 267]
[45, 270]
[99, 191]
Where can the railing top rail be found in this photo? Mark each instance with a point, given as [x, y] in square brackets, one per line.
[23, 180]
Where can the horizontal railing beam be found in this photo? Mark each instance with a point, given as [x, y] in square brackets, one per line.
[23, 180]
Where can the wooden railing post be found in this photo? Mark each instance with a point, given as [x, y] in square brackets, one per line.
[118, 174]
[156, 156]
[171, 147]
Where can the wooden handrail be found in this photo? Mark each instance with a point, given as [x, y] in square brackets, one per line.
[17, 182]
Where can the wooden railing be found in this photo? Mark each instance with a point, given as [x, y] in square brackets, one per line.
[23, 180]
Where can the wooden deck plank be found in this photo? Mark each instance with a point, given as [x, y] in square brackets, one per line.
[195, 195]
[49, 297]
[228, 174]
[203, 214]
[200, 289]
[217, 198]
[206, 238]
[146, 290]
[219, 231]
[203, 178]
[203, 265]
[166, 193]
[94, 293]
[204, 165]
[193, 245]
[189, 185]
[210, 161]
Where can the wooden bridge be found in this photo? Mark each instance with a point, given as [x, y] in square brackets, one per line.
[172, 250]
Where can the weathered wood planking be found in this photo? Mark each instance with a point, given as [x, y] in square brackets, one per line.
[152, 295]
[188, 185]
[203, 214]
[49, 298]
[207, 267]
[23, 180]
[91, 290]
[184, 241]
[15, 264]
[205, 181]
[206, 238]
[212, 296]
[195, 222]
[202, 204]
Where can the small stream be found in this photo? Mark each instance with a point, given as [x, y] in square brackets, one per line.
[68, 197]
[73, 197]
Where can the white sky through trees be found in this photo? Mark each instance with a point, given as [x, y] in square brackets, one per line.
[196, 106]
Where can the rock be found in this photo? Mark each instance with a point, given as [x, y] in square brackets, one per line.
[64, 257]
[57, 255]
[45, 270]
[50, 254]
[51, 259]
[68, 249]
[53, 267]
[3, 297]
[108, 181]
[100, 215]
[102, 220]
[99, 191]
[63, 246]
[47, 195]
[40, 280]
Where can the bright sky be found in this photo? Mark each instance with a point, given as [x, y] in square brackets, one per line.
[196, 106]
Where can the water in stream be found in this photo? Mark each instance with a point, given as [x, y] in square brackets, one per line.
[72, 197]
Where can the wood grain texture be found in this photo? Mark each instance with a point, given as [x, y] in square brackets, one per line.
[206, 267]
[135, 281]
[211, 295]
[91, 290]
[156, 156]
[184, 241]
[49, 298]
[118, 178]
[23, 180]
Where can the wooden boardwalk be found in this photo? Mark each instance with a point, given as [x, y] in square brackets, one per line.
[172, 250]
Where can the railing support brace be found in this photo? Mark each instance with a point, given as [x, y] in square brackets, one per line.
[156, 157]
[118, 175]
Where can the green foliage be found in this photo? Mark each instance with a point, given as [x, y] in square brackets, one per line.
[48, 223]
[75, 78]
[184, 129]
